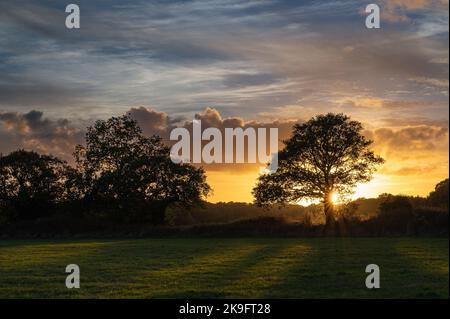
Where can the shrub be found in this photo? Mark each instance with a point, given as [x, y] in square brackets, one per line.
[395, 215]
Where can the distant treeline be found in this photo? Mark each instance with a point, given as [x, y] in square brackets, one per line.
[361, 208]
[386, 215]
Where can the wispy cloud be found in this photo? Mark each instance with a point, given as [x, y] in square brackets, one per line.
[238, 56]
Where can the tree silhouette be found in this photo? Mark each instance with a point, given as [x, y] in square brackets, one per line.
[31, 184]
[439, 197]
[326, 155]
[130, 173]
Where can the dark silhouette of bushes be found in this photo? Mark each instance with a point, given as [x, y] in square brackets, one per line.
[395, 215]
[423, 222]
[431, 221]
[221, 213]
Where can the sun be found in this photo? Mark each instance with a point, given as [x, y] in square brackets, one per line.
[335, 198]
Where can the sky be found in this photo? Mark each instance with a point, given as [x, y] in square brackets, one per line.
[245, 63]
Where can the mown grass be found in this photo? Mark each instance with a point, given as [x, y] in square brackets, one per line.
[222, 268]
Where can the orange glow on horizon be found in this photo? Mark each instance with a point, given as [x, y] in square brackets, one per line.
[237, 187]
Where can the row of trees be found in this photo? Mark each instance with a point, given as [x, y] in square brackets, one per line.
[119, 175]
[122, 176]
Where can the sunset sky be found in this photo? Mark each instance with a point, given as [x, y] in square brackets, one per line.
[242, 63]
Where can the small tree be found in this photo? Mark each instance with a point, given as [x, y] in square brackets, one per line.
[31, 184]
[326, 155]
[129, 173]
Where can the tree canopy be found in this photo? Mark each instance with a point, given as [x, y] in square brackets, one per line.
[31, 183]
[123, 168]
[326, 155]
[439, 197]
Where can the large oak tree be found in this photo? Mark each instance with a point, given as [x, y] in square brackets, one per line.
[326, 155]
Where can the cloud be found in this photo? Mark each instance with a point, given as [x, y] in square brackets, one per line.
[59, 136]
[376, 103]
[409, 170]
[440, 83]
[404, 137]
[160, 123]
[32, 131]
[151, 121]
[21, 92]
[413, 121]
[418, 146]
[400, 10]
[169, 55]
[416, 156]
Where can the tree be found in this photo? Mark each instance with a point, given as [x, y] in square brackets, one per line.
[439, 197]
[127, 173]
[31, 185]
[326, 155]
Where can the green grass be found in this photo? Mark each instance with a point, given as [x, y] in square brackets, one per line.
[221, 268]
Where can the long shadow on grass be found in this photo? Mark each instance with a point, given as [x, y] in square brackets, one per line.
[139, 268]
[257, 280]
[335, 268]
[41, 254]
[215, 268]
[227, 280]
[178, 268]
[134, 268]
[432, 255]
[427, 264]
[323, 272]
[37, 270]
[166, 268]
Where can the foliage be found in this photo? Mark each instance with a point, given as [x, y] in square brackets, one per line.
[326, 155]
[31, 185]
[395, 213]
[125, 174]
[439, 197]
[120, 175]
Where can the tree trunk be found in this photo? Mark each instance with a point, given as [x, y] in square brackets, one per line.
[330, 222]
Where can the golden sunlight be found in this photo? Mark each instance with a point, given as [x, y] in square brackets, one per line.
[335, 198]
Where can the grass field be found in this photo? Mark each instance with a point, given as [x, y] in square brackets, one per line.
[221, 268]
